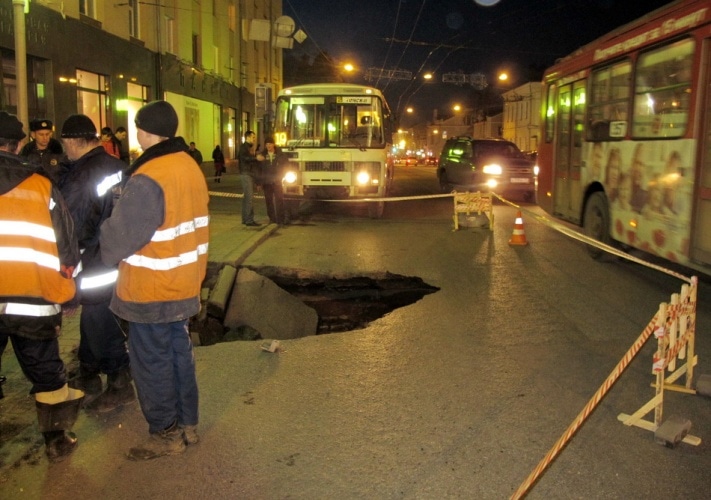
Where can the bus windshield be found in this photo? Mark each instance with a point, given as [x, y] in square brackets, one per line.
[329, 121]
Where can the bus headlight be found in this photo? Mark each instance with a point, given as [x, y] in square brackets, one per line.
[290, 177]
[363, 178]
[493, 169]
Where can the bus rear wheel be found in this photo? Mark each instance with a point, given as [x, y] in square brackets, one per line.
[597, 222]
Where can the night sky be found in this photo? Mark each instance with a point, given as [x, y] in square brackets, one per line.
[519, 36]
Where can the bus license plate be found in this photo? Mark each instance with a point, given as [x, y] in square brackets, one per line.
[519, 180]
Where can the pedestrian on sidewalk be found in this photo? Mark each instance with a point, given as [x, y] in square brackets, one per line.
[195, 153]
[218, 160]
[272, 174]
[90, 182]
[248, 170]
[121, 136]
[109, 142]
[158, 236]
[40, 253]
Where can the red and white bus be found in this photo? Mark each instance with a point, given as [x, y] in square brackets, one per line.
[626, 135]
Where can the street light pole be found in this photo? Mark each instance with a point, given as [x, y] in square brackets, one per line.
[21, 60]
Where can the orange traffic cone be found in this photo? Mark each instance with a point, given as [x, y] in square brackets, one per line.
[519, 235]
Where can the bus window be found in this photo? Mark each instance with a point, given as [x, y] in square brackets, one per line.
[609, 101]
[662, 91]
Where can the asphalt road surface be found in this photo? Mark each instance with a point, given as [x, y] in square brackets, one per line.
[459, 395]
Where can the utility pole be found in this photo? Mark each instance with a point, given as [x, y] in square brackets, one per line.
[21, 61]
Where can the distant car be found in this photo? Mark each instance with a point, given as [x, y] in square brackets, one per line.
[411, 161]
[432, 160]
[486, 165]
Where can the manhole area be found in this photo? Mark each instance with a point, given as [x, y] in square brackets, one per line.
[342, 303]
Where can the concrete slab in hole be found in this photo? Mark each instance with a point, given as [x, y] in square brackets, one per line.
[276, 314]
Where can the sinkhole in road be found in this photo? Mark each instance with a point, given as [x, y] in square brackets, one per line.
[342, 303]
[351, 303]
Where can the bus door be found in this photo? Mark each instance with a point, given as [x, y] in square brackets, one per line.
[568, 153]
[700, 247]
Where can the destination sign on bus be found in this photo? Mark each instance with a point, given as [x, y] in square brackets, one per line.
[353, 99]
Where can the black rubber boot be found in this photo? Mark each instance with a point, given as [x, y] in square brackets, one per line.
[119, 391]
[59, 444]
[54, 420]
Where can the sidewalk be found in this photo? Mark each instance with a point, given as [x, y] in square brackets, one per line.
[230, 241]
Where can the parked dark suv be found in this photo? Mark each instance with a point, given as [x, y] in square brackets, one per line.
[486, 165]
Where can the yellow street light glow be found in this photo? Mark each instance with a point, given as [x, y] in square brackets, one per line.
[503, 77]
[348, 67]
[410, 110]
[457, 107]
[427, 76]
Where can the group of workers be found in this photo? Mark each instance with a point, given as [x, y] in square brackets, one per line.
[128, 245]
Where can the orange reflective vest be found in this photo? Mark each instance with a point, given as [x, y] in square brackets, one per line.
[29, 258]
[172, 266]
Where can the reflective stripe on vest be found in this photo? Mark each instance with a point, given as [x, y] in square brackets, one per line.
[107, 183]
[99, 280]
[29, 309]
[169, 263]
[29, 254]
[172, 233]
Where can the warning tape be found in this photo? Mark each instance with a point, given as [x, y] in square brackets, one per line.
[586, 411]
[593, 242]
[540, 218]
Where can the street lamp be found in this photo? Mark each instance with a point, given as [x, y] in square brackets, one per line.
[457, 107]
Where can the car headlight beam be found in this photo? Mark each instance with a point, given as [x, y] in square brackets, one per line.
[493, 169]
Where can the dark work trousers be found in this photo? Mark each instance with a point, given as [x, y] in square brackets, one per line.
[39, 361]
[163, 369]
[274, 198]
[102, 342]
[247, 195]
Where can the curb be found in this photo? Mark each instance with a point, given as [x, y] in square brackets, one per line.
[237, 256]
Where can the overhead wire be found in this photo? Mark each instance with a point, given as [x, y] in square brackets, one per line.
[414, 27]
[387, 54]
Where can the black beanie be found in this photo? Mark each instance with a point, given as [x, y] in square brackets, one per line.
[10, 127]
[78, 126]
[158, 118]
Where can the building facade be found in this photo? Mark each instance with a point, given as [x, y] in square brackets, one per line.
[211, 59]
[522, 116]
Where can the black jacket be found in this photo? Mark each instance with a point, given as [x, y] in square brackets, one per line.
[248, 163]
[273, 168]
[50, 159]
[90, 186]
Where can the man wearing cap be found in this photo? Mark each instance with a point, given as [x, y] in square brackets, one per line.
[44, 149]
[158, 236]
[90, 182]
[38, 253]
[273, 168]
